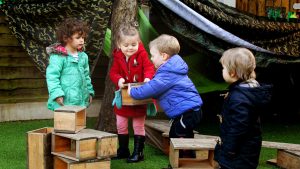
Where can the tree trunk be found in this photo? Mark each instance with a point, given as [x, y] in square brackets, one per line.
[124, 11]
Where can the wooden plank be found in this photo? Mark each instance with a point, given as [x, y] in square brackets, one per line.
[64, 122]
[4, 29]
[63, 163]
[261, 10]
[239, 5]
[70, 109]
[20, 73]
[15, 51]
[193, 144]
[16, 62]
[87, 149]
[155, 138]
[193, 164]
[288, 159]
[23, 99]
[8, 40]
[292, 2]
[174, 156]
[245, 5]
[22, 83]
[279, 145]
[160, 125]
[270, 3]
[252, 7]
[2, 18]
[107, 147]
[22, 93]
[39, 149]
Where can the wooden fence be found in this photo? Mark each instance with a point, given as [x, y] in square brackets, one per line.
[260, 7]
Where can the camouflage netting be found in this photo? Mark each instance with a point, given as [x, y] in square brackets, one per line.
[281, 38]
[34, 22]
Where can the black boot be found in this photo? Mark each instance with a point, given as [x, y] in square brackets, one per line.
[138, 152]
[123, 150]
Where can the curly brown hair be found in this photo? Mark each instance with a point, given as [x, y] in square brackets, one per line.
[69, 27]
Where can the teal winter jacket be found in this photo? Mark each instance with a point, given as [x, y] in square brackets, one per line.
[68, 78]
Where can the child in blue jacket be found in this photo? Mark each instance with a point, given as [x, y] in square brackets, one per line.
[171, 87]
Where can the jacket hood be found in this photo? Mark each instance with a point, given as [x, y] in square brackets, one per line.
[175, 65]
[57, 48]
[117, 53]
[258, 96]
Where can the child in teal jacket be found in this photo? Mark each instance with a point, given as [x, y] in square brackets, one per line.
[68, 74]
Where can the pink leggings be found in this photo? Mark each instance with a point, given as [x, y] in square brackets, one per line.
[137, 123]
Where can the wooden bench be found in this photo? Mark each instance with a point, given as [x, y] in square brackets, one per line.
[288, 154]
[157, 134]
[204, 149]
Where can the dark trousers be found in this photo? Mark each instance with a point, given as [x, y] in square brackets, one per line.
[184, 125]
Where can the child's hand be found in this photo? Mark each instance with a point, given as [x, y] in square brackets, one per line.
[60, 100]
[129, 88]
[91, 99]
[121, 83]
[146, 80]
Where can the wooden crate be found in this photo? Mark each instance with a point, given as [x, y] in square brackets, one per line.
[84, 145]
[129, 101]
[63, 163]
[39, 149]
[204, 153]
[69, 119]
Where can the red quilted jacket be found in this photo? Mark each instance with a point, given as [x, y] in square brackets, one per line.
[135, 70]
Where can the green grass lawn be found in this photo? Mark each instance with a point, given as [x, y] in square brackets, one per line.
[13, 144]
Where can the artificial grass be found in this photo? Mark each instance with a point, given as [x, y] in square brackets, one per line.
[13, 144]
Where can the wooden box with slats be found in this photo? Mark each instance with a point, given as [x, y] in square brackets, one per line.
[129, 101]
[69, 119]
[204, 150]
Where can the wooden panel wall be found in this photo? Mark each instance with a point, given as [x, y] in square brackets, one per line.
[21, 81]
[258, 7]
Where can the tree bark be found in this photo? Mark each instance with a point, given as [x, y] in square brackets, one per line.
[124, 11]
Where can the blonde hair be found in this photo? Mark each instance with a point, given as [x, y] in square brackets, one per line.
[241, 61]
[127, 30]
[166, 44]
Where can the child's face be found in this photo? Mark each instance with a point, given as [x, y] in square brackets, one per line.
[156, 57]
[227, 76]
[129, 45]
[76, 41]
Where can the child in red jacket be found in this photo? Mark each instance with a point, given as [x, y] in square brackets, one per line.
[131, 64]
